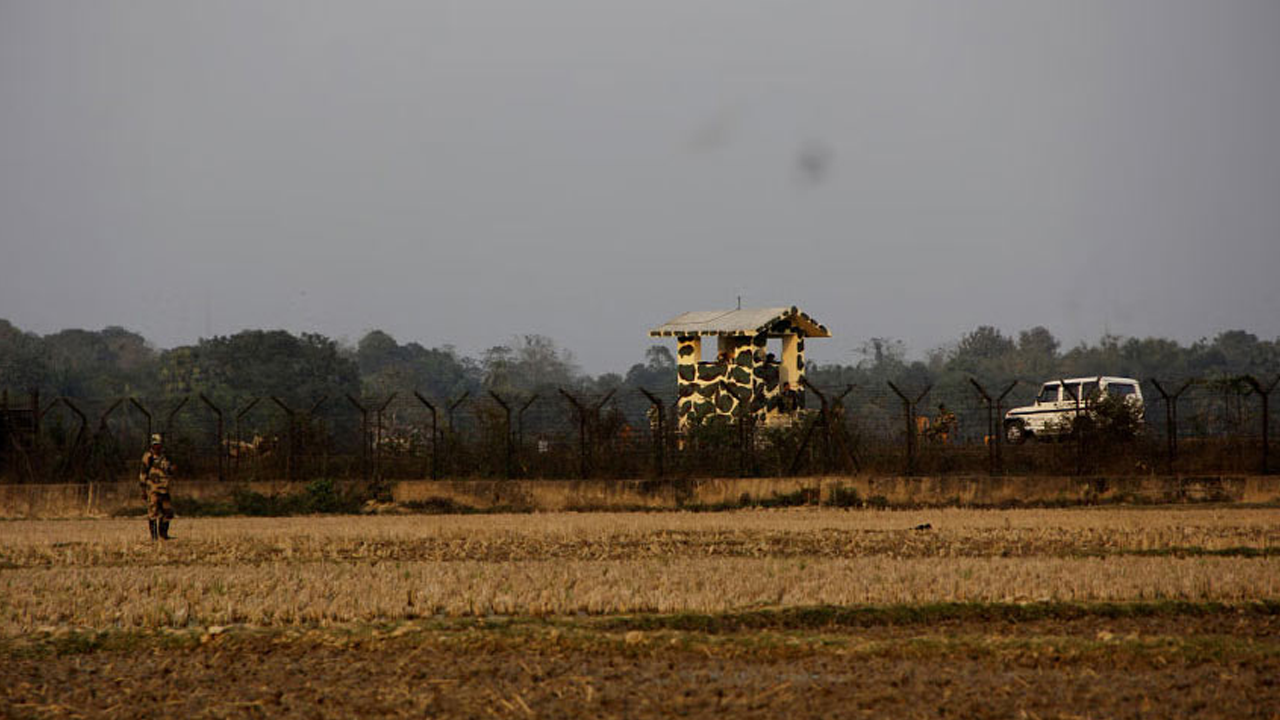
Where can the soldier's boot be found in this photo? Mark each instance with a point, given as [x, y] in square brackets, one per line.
[164, 529]
[152, 525]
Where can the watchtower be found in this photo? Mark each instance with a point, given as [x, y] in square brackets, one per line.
[745, 377]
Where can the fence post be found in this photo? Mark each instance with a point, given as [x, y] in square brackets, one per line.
[288, 456]
[72, 454]
[507, 430]
[239, 435]
[145, 413]
[102, 419]
[1171, 419]
[991, 426]
[831, 437]
[583, 462]
[909, 410]
[824, 418]
[454, 406]
[995, 426]
[377, 438]
[220, 450]
[1000, 424]
[97, 446]
[837, 409]
[520, 426]
[1265, 394]
[657, 430]
[168, 419]
[451, 439]
[595, 415]
[434, 432]
[309, 423]
[364, 435]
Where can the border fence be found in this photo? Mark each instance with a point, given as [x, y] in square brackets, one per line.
[1189, 426]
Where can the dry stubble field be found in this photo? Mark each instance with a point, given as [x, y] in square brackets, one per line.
[1136, 612]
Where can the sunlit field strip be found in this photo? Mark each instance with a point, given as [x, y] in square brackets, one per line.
[289, 593]
[503, 538]
[1170, 522]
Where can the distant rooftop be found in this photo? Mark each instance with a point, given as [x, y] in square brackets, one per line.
[747, 321]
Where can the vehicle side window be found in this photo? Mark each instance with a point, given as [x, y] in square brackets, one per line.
[1048, 394]
[1121, 389]
[1089, 391]
[1071, 392]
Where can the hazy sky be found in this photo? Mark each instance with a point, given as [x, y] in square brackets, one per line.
[461, 172]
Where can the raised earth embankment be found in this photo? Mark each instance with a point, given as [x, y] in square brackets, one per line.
[106, 499]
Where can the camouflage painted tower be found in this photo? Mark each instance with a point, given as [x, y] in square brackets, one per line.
[745, 376]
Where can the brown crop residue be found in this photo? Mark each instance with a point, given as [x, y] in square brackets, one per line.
[1094, 668]
[1115, 612]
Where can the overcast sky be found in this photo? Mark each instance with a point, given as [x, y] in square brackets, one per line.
[462, 172]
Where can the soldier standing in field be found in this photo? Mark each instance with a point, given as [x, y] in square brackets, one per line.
[154, 478]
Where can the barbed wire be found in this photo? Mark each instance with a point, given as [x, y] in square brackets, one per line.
[1222, 423]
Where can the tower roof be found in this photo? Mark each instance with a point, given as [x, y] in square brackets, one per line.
[774, 322]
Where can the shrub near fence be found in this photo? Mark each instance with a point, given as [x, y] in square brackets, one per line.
[1206, 427]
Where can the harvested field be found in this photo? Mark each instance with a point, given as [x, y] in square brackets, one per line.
[327, 592]
[1052, 613]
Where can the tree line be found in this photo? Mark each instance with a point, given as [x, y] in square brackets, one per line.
[228, 369]
[116, 362]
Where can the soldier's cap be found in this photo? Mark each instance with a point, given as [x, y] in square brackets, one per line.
[156, 439]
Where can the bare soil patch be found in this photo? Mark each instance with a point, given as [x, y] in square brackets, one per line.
[1224, 666]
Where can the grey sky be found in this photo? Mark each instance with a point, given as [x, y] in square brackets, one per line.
[460, 172]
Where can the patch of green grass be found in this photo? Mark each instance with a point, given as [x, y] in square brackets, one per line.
[556, 634]
[844, 497]
[448, 506]
[78, 642]
[798, 498]
[1196, 551]
[830, 616]
[318, 496]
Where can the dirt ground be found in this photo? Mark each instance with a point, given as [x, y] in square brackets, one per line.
[1223, 665]
[1107, 613]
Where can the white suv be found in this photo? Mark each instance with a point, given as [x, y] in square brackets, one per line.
[1056, 406]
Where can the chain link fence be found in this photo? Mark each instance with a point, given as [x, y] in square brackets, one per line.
[1214, 425]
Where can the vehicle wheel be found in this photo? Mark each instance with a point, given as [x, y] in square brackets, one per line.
[1015, 433]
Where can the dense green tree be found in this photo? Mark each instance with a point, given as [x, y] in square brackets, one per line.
[111, 363]
[1037, 353]
[376, 351]
[257, 363]
[657, 374]
[984, 351]
[23, 363]
[532, 363]
[387, 367]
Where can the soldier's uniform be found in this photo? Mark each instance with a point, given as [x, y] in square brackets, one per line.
[154, 479]
[789, 399]
[654, 416]
[944, 426]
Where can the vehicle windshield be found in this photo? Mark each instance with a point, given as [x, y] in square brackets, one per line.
[1121, 389]
[1048, 393]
